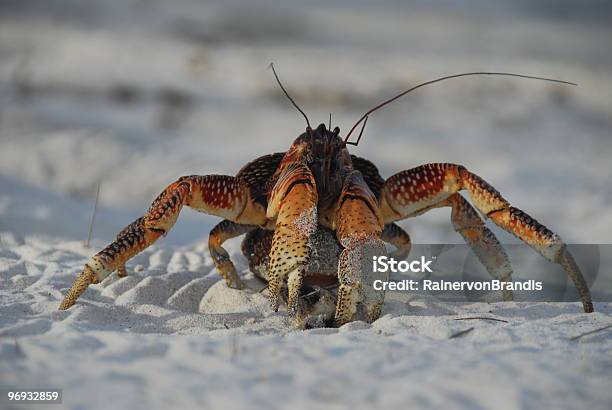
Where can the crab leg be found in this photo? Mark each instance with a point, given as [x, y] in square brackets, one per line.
[358, 228]
[483, 242]
[397, 237]
[223, 231]
[293, 202]
[411, 192]
[475, 233]
[221, 195]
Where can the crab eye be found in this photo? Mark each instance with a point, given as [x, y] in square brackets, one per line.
[337, 130]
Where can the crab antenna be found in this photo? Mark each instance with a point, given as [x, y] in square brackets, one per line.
[360, 134]
[448, 77]
[329, 128]
[288, 96]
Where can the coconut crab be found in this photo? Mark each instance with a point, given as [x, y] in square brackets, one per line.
[317, 195]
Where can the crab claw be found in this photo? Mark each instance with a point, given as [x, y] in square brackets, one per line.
[357, 297]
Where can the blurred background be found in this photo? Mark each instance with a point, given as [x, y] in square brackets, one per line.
[134, 94]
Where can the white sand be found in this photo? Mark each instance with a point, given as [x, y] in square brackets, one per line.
[170, 335]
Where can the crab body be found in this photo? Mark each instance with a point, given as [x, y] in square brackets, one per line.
[315, 216]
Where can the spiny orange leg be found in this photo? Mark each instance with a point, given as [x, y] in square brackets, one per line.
[483, 242]
[293, 202]
[223, 231]
[399, 238]
[358, 228]
[413, 191]
[220, 195]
